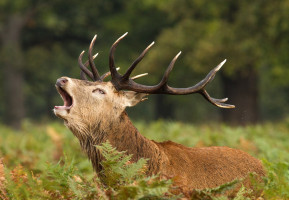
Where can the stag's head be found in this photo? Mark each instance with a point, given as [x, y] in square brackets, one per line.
[87, 103]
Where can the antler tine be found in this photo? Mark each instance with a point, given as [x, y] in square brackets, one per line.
[87, 62]
[83, 68]
[165, 78]
[220, 100]
[107, 74]
[134, 64]
[217, 102]
[210, 76]
[138, 76]
[91, 63]
[112, 68]
[82, 74]
[104, 76]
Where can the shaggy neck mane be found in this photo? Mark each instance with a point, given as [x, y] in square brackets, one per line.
[122, 135]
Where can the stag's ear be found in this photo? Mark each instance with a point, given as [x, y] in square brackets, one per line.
[132, 98]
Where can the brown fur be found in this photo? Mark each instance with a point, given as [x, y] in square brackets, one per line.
[96, 118]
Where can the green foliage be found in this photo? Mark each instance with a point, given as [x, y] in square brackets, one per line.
[117, 169]
[127, 180]
[57, 181]
[277, 180]
[121, 179]
[217, 193]
[36, 168]
[211, 192]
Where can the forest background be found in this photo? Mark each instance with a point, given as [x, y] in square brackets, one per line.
[40, 41]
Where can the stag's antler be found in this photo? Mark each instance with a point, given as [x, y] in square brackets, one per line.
[93, 74]
[124, 82]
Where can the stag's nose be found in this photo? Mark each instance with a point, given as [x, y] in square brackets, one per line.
[61, 82]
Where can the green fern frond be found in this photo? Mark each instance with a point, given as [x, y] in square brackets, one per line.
[127, 179]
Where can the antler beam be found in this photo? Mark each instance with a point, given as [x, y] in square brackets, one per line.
[125, 83]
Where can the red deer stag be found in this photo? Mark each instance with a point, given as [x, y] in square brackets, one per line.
[95, 112]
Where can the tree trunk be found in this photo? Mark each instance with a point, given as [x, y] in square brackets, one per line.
[242, 91]
[12, 66]
[163, 109]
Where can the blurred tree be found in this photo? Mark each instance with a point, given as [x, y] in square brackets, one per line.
[211, 31]
[275, 73]
[41, 41]
[37, 35]
[32, 28]
[14, 15]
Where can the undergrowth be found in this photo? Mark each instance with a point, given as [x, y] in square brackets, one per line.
[45, 162]
[121, 179]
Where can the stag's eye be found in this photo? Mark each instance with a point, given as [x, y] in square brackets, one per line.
[98, 90]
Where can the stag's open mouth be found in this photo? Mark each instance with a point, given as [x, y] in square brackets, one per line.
[67, 99]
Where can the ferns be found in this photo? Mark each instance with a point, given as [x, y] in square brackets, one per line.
[31, 171]
[127, 180]
[117, 168]
[277, 180]
[121, 179]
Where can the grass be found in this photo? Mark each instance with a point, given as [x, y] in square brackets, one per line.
[46, 162]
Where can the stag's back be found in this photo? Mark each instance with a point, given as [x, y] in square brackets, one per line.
[207, 167]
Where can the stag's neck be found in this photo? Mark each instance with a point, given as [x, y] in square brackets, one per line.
[124, 136]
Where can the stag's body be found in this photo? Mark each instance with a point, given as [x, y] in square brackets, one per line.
[95, 113]
[190, 168]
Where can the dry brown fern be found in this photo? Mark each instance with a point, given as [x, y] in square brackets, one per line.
[3, 193]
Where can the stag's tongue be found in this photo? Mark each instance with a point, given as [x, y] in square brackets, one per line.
[61, 107]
